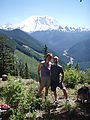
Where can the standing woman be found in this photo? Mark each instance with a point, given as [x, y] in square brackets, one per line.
[44, 74]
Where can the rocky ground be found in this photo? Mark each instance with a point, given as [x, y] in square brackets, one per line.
[65, 110]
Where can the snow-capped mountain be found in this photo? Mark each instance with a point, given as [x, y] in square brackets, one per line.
[34, 23]
[40, 23]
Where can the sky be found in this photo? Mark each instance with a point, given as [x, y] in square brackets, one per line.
[71, 13]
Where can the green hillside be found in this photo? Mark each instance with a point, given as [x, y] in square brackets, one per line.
[9, 42]
[23, 38]
[22, 41]
[31, 61]
[24, 53]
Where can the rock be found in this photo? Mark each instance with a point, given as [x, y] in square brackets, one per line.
[83, 93]
[4, 77]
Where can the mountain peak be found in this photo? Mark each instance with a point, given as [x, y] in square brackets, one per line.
[40, 23]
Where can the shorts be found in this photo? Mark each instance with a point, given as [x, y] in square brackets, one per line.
[55, 84]
[45, 81]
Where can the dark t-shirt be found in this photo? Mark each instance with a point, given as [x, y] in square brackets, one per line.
[55, 72]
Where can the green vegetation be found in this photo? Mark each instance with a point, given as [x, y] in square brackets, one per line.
[31, 62]
[21, 95]
[22, 38]
[15, 54]
[6, 58]
[73, 77]
[21, 98]
[19, 59]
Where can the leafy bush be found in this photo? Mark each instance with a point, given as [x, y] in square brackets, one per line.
[82, 77]
[21, 98]
[88, 75]
[14, 92]
[73, 77]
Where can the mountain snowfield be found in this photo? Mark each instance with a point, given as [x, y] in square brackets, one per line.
[40, 23]
[34, 23]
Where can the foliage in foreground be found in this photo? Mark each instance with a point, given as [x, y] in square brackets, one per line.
[21, 98]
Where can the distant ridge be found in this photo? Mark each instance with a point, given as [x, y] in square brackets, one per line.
[23, 38]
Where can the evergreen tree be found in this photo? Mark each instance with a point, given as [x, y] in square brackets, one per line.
[11, 64]
[26, 71]
[45, 50]
[16, 72]
[69, 66]
[21, 69]
[5, 57]
[2, 52]
[77, 67]
[6, 63]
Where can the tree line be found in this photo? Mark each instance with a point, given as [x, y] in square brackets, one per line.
[8, 63]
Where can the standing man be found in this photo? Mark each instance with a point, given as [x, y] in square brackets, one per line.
[57, 76]
[44, 74]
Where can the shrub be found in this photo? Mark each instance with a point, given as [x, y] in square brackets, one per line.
[14, 93]
[73, 77]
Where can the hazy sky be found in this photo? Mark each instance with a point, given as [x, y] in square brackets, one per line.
[67, 12]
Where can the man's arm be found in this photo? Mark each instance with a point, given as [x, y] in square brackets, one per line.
[39, 69]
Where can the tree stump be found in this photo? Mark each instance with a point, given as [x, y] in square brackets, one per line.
[4, 77]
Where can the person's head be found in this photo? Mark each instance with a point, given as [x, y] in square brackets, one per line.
[55, 59]
[48, 57]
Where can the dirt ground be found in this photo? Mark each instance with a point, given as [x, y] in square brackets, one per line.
[65, 110]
